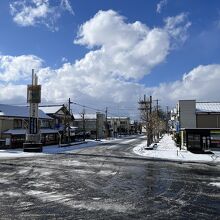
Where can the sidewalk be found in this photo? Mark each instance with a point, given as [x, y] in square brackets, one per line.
[167, 150]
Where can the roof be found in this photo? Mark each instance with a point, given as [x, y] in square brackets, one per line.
[23, 131]
[50, 109]
[86, 116]
[208, 107]
[121, 118]
[19, 111]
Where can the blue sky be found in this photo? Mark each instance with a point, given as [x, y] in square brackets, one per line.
[189, 44]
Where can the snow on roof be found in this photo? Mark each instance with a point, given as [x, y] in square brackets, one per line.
[208, 106]
[87, 116]
[23, 131]
[19, 111]
[50, 109]
[121, 118]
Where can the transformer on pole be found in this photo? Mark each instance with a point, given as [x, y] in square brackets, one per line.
[33, 137]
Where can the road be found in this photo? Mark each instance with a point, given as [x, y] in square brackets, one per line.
[107, 182]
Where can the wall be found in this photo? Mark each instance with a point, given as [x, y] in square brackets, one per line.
[208, 120]
[187, 113]
[6, 124]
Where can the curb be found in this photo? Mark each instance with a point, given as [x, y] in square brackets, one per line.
[143, 158]
[73, 144]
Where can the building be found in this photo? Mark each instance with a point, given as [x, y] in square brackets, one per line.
[14, 123]
[93, 125]
[63, 119]
[198, 124]
[119, 125]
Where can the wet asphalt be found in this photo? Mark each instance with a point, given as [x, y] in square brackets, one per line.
[107, 182]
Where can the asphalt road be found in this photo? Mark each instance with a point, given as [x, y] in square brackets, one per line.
[107, 182]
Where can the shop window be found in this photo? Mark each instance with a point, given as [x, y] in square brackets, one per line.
[194, 141]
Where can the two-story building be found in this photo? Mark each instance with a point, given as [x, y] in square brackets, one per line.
[119, 125]
[93, 125]
[14, 124]
[63, 119]
[198, 124]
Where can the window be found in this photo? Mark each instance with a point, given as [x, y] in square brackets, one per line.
[17, 123]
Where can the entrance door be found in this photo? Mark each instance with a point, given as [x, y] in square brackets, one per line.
[205, 143]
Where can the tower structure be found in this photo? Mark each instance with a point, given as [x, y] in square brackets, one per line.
[33, 137]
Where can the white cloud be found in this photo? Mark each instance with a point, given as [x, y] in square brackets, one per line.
[66, 6]
[161, 5]
[15, 68]
[11, 93]
[33, 12]
[201, 83]
[177, 27]
[128, 50]
[120, 51]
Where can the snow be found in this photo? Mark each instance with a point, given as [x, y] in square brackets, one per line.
[50, 109]
[18, 111]
[215, 184]
[208, 106]
[86, 116]
[167, 149]
[19, 131]
[54, 149]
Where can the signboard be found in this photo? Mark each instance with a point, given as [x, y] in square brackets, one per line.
[32, 125]
[177, 126]
[34, 93]
[215, 136]
[34, 110]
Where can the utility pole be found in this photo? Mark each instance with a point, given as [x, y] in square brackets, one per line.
[69, 119]
[106, 121]
[83, 117]
[150, 121]
[96, 135]
[167, 119]
[157, 119]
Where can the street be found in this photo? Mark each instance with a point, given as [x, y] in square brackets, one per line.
[107, 182]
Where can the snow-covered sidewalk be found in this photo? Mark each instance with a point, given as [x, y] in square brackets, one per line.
[166, 149]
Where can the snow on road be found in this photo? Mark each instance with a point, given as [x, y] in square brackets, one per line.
[54, 149]
[167, 150]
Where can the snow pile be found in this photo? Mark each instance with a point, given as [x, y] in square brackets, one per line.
[167, 149]
[215, 184]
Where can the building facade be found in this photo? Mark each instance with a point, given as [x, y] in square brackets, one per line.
[92, 125]
[198, 124]
[14, 124]
[119, 126]
[63, 119]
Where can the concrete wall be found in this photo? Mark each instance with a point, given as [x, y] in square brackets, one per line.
[208, 120]
[187, 113]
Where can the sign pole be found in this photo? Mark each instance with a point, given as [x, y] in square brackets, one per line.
[33, 137]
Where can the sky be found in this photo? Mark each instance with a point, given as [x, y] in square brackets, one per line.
[109, 54]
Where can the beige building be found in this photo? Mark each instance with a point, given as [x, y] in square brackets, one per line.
[14, 124]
